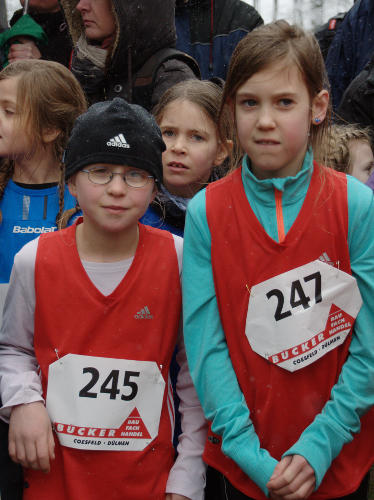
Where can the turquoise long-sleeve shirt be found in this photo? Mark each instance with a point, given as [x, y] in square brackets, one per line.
[208, 357]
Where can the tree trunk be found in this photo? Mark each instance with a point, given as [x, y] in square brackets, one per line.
[316, 13]
[275, 10]
[3, 16]
[298, 12]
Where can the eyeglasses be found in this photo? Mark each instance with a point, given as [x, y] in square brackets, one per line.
[103, 175]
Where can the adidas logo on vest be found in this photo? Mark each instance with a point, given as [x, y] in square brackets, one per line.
[326, 259]
[143, 314]
[118, 142]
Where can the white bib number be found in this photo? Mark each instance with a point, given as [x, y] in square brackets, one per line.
[297, 317]
[105, 403]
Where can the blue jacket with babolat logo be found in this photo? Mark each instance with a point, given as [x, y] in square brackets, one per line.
[27, 213]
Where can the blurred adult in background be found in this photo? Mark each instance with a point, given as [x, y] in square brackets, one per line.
[326, 32]
[209, 31]
[125, 49]
[357, 104]
[48, 14]
[351, 49]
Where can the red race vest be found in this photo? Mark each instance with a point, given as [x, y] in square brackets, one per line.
[110, 356]
[281, 403]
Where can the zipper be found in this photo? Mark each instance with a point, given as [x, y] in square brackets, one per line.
[279, 215]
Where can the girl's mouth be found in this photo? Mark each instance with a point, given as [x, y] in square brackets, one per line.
[267, 142]
[114, 208]
[173, 165]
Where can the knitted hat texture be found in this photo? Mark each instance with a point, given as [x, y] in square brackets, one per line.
[115, 132]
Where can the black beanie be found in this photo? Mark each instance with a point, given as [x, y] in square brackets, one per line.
[115, 132]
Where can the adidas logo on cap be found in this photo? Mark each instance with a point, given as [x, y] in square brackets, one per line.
[118, 142]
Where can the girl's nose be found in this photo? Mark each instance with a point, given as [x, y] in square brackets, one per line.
[179, 145]
[265, 118]
[117, 186]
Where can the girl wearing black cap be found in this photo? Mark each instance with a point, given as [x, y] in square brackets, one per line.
[100, 310]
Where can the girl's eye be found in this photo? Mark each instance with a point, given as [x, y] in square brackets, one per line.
[285, 102]
[370, 167]
[100, 173]
[9, 112]
[197, 137]
[135, 174]
[167, 133]
[249, 103]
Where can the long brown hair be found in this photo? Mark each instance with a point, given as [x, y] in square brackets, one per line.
[269, 44]
[48, 98]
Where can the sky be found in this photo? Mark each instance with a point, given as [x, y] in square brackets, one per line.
[286, 9]
[265, 8]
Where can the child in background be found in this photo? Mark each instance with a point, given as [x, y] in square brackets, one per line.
[277, 256]
[187, 115]
[104, 296]
[39, 102]
[347, 149]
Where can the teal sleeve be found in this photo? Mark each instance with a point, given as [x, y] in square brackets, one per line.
[353, 394]
[208, 356]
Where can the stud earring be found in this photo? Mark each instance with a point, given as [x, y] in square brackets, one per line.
[317, 120]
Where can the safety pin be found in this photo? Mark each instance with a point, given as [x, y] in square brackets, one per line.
[337, 267]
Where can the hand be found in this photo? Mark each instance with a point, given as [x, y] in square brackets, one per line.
[175, 496]
[31, 442]
[293, 479]
[26, 49]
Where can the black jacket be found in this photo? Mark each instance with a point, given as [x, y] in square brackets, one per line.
[144, 27]
[325, 33]
[357, 104]
[59, 46]
[351, 49]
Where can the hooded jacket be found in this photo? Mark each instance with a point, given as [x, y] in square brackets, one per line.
[209, 31]
[144, 28]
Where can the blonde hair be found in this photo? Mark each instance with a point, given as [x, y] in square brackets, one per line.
[268, 45]
[334, 151]
[48, 98]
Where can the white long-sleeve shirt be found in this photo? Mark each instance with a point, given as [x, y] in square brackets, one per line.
[20, 382]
